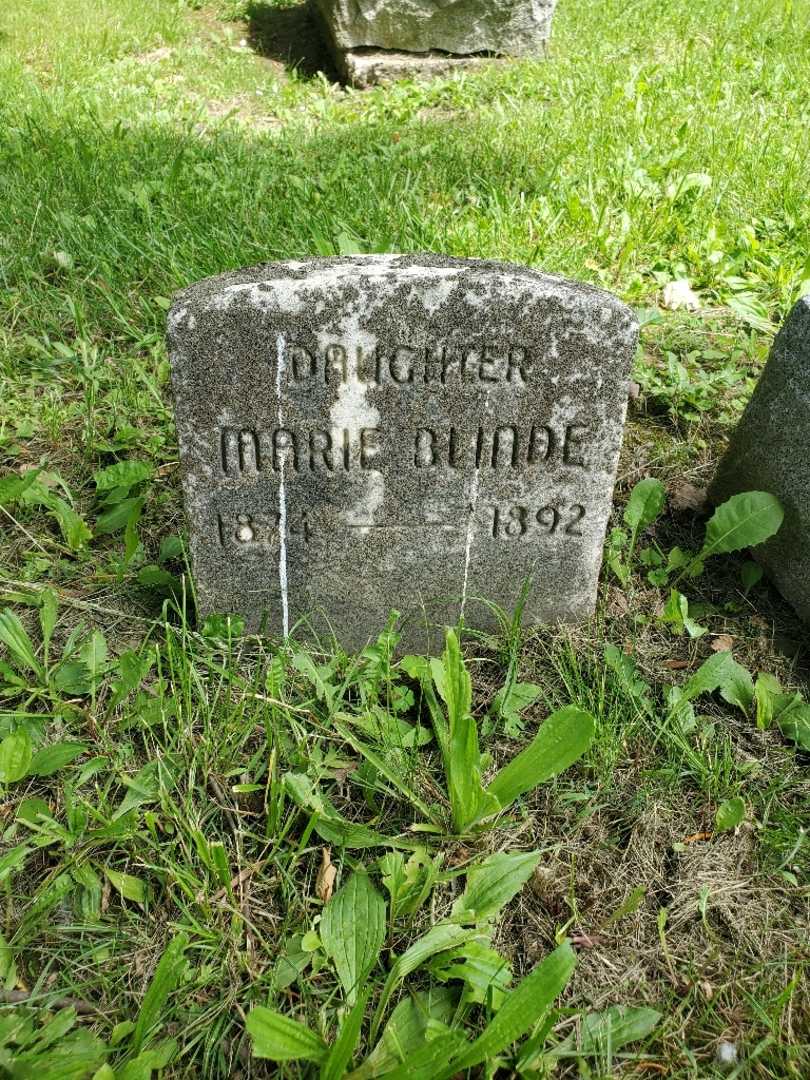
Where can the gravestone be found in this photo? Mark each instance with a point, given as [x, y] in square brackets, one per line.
[378, 40]
[770, 451]
[411, 432]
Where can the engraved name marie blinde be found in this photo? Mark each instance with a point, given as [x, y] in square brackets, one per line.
[397, 432]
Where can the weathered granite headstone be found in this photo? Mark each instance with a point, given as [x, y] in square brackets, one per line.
[412, 432]
[375, 40]
[770, 451]
[510, 27]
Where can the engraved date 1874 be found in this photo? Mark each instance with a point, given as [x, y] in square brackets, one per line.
[251, 531]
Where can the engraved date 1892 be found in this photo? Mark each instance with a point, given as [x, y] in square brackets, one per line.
[512, 522]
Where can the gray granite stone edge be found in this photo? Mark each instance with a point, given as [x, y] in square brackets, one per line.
[298, 269]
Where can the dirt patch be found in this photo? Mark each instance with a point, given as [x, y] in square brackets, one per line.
[720, 913]
[243, 109]
[156, 56]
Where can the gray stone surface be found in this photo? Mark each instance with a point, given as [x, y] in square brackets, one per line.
[412, 432]
[770, 451]
[371, 67]
[506, 27]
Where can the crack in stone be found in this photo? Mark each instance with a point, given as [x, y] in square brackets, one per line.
[282, 495]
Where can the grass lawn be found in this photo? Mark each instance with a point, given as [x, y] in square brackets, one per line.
[177, 802]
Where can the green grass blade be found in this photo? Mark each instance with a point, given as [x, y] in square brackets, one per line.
[743, 521]
[643, 507]
[49, 759]
[721, 672]
[331, 825]
[794, 723]
[615, 1027]
[18, 643]
[390, 774]
[12, 487]
[520, 1011]
[12, 860]
[426, 1063]
[729, 814]
[406, 1030]
[563, 738]
[420, 669]
[353, 930]
[441, 937]
[15, 756]
[468, 800]
[492, 884]
[340, 1054]
[645, 503]
[280, 1039]
[166, 977]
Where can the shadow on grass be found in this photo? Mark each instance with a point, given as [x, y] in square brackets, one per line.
[200, 205]
[289, 36]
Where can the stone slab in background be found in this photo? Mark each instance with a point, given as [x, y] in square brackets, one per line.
[363, 68]
[770, 451]
[412, 432]
[504, 27]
